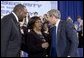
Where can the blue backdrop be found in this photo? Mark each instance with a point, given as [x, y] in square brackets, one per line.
[71, 8]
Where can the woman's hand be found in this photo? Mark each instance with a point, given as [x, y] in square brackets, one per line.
[45, 45]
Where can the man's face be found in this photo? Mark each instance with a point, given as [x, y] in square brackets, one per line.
[23, 14]
[51, 19]
[79, 19]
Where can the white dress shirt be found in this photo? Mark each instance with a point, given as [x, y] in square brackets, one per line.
[57, 23]
[15, 16]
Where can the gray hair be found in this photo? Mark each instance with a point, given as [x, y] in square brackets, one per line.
[54, 12]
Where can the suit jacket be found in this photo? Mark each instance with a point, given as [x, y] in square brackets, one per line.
[10, 36]
[34, 45]
[66, 41]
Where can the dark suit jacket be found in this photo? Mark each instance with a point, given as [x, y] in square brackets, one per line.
[10, 36]
[67, 41]
[33, 44]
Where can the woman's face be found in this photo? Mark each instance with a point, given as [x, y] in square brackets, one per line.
[38, 24]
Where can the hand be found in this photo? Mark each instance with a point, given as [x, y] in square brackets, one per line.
[22, 31]
[82, 34]
[46, 31]
[45, 45]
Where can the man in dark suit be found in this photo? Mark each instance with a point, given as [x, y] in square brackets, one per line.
[10, 32]
[64, 41]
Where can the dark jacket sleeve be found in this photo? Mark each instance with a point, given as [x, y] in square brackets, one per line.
[6, 26]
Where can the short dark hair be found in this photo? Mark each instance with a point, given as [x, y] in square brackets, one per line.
[35, 13]
[78, 16]
[32, 20]
[17, 7]
[45, 14]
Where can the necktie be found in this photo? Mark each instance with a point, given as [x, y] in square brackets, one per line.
[53, 42]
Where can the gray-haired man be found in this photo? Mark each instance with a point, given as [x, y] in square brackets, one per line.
[64, 41]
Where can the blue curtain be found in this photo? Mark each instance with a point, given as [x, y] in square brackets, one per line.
[70, 8]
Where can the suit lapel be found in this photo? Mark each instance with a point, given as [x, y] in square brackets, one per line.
[14, 19]
[59, 30]
[15, 22]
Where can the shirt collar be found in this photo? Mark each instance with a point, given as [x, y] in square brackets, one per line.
[57, 23]
[15, 16]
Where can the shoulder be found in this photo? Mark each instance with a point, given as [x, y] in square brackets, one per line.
[30, 32]
[66, 22]
[62, 22]
[7, 18]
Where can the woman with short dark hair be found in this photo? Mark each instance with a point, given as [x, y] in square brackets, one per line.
[36, 41]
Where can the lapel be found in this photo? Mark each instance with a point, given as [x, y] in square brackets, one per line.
[14, 19]
[59, 31]
[15, 22]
